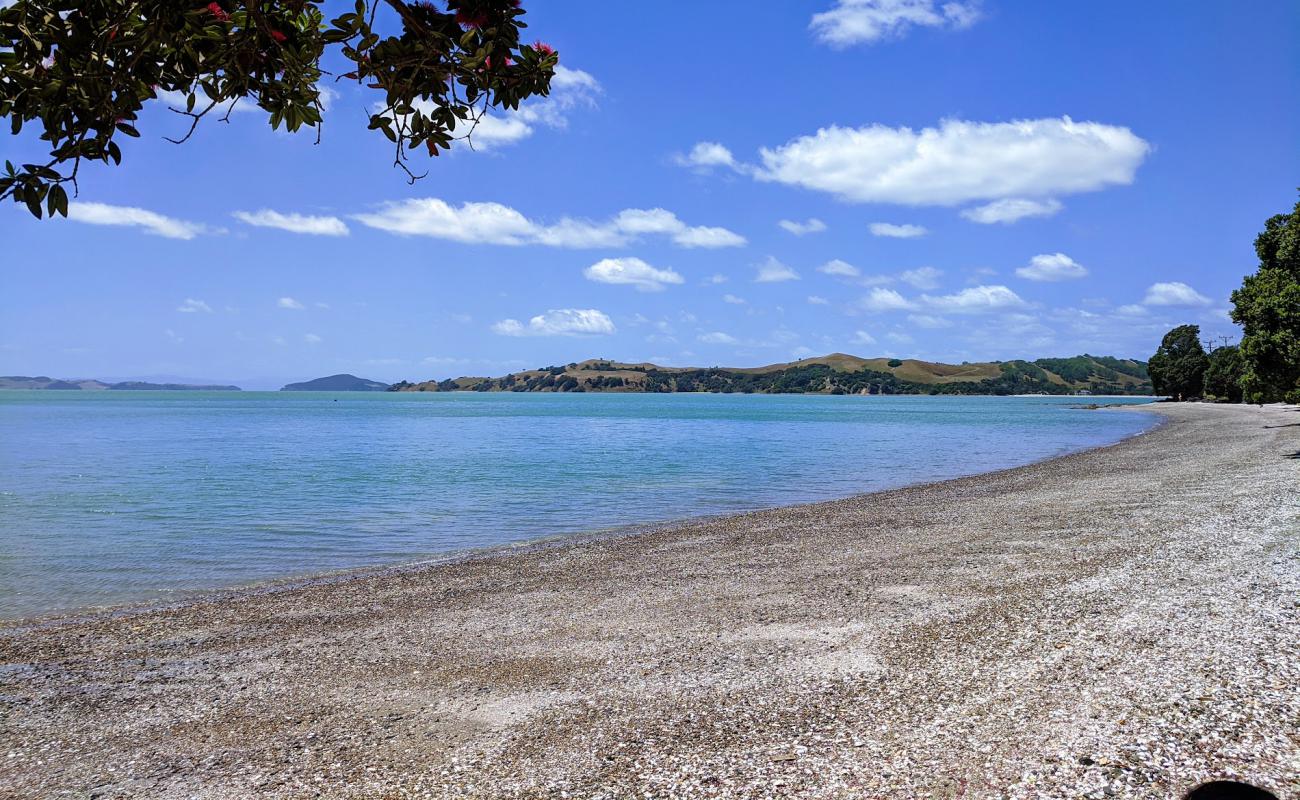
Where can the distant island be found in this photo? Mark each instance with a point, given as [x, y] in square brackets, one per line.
[90, 384]
[833, 374]
[337, 383]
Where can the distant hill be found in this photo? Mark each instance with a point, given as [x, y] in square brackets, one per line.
[836, 373]
[337, 383]
[43, 382]
[171, 387]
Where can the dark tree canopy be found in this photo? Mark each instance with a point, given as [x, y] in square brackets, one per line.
[82, 70]
[1178, 367]
[1267, 306]
[1223, 374]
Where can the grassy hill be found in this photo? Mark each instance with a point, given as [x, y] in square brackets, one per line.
[837, 373]
[86, 384]
[342, 382]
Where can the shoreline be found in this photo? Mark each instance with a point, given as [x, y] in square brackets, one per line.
[233, 592]
[1114, 621]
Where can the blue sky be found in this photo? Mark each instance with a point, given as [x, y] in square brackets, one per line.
[716, 183]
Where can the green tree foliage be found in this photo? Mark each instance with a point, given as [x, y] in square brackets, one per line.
[1223, 374]
[1178, 368]
[1017, 377]
[1267, 306]
[82, 70]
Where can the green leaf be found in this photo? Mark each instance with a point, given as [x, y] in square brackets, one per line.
[58, 200]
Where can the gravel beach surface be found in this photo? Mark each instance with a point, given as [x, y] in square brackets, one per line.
[1123, 622]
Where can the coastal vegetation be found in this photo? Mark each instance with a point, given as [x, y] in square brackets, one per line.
[1178, 367]
[83, 71]
[1267, 306]
[1223, 374]
[834, 374]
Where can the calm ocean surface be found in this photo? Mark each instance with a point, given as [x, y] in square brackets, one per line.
[112, 497]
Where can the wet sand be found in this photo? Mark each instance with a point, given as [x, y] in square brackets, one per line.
[1120, 622]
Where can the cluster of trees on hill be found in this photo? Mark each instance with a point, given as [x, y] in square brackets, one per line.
[1265, 367]
[1100, 374]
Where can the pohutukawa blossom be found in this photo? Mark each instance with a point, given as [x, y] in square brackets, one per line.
[279, 37]
[217, 11]
[544, 48]
[467, 20]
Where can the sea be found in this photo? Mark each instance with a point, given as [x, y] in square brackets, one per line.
[114, 498]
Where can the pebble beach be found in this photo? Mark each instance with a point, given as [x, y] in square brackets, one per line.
[1120, 622]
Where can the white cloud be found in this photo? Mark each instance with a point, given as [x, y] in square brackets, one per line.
[311, 338]
[494, 223]
[1174, 293]
[1011, 209]
[632, 272]
[192, 306]
[813, 225]
[570, 88]
[957, 162]
[733, 300]
[559, 322]
[1131, 310]
[703, 236]
[636, 221]
[294, 223]
[289, 303]
[177, 100]
[881, 299]
[492, 131]
[862, 337]
[928, 321]
[897, 231]
[153, 223]
[773, 271]
[717, 337]
[840, 268]
[818, 300]
[921, 277]
[975, 300]
[1052, 267]
[716, 279]
[853, 22]
[706, 155]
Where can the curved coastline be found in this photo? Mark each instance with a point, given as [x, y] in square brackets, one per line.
[219, 594]
[1114, 622]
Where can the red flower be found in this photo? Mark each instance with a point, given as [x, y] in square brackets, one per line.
[544, 48]
[488, 62]
[279, 37]
[217, 11]
[475, 20]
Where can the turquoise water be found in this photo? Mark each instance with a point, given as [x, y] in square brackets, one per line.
[113, 497]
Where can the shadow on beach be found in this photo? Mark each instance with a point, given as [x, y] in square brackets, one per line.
[1228, 790]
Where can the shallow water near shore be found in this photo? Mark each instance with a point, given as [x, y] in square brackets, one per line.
[116, 497]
